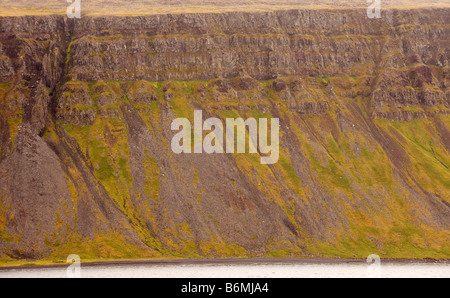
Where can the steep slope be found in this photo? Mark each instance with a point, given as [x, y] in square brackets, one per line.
[86, 106]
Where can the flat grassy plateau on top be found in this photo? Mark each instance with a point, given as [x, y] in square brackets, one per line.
[148, 7]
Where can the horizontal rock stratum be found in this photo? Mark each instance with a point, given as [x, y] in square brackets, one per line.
[364, 106]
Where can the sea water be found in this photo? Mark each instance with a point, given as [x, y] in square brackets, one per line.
[257, 270]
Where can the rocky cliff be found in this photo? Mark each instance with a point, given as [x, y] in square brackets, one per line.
[86, 106]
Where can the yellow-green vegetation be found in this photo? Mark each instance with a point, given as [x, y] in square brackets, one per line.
[4, 87]
[283, 249]
[74, 195]
[13, 126]
[431, 160]
[5, 236]
[50, 133]
[338, 161]
[338, 157]
[216, 247]
[398, 239]
[181, 106]
[108, 246]
[106, 143]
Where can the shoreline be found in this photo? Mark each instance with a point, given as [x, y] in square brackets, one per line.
[227, 261]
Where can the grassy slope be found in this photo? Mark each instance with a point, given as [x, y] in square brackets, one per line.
[339, 170]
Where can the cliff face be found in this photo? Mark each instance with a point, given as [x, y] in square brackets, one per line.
[86, 106]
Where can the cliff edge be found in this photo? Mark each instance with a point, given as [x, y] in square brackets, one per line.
[86, 106]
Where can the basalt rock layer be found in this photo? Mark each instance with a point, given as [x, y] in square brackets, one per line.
[86, 106]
